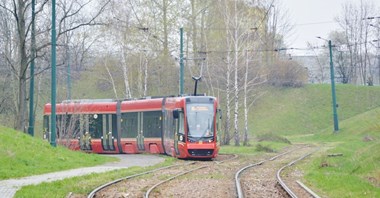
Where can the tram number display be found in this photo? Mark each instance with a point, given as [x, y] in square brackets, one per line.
[199, 108]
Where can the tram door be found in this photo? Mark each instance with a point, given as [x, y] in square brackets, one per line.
[107, 138]
[140, 131]
[178, 129]
[84, 131]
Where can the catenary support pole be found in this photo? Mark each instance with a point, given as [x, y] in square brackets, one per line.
[332, 76]
[33, 56]
[181, 65]
[53, 78]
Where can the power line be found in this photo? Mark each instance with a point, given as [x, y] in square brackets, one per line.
[315, 23]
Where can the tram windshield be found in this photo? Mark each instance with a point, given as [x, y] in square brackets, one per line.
[200, 119]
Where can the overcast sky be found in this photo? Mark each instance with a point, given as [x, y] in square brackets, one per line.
[313, 18]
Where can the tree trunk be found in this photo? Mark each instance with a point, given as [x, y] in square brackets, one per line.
[245, 138]
[236, 86]
[21, 116]
[110, 75]
[227, 136]
[145, 76]
[128, 93]
[165, 27]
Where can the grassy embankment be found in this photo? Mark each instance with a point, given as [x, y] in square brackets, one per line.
[21, 155]
[308, 110]
[302, 111]
[357, 172]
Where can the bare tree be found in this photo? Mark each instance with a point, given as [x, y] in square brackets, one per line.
[19, 10]
[357, 34]
[340, 56]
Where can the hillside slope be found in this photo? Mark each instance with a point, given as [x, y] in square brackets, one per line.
[308, 109]
[356, 172]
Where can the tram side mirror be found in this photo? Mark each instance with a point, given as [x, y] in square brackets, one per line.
[220, 113]
[175, 114]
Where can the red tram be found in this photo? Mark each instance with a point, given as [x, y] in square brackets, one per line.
[182, 127]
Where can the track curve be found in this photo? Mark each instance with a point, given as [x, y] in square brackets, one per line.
[289, 191]
[173, 170]
[239, 189]
[96, 190]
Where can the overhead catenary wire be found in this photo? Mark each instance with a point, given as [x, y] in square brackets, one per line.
[258, 26]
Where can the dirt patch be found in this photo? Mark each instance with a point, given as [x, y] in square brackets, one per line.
[374, 181]
[368, 138]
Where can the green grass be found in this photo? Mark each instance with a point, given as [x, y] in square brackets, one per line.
[302, 115]
[357, 172]
[22, 155]
[266, 143]
[82, 186]
[289, 111]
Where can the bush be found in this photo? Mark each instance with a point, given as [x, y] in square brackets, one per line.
[287, 74]
[272, 137]
[261, 148]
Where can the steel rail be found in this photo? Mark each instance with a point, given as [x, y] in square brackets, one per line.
[312, 193]
[186, 172]
[96, 190]
[171, 178]
[234, 157]
[237, 175]
[282, 183]
[237, 178]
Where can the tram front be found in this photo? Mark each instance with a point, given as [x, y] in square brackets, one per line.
[201, 127]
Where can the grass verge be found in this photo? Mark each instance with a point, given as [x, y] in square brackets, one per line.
[82, 186]
[268, 143]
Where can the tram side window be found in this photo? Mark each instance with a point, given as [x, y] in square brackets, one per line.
[152, 123]
[68, 125]
[95, 125]
[181, 124]
[169, 125]
[73, 125]
[129, 125]
[46, 126]
[61, 126]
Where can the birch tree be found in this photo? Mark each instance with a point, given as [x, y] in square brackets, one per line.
[238, 27]
[227, 128]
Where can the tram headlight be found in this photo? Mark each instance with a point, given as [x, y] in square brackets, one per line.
[181, 138]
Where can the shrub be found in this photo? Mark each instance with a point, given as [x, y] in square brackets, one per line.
[273, 138]
[261, 148]
[287, 74]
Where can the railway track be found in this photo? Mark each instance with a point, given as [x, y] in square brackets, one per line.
[151, 180]
[98, 189]
[239, 189]
[306, 191]
[265, 178]
[265, 186]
